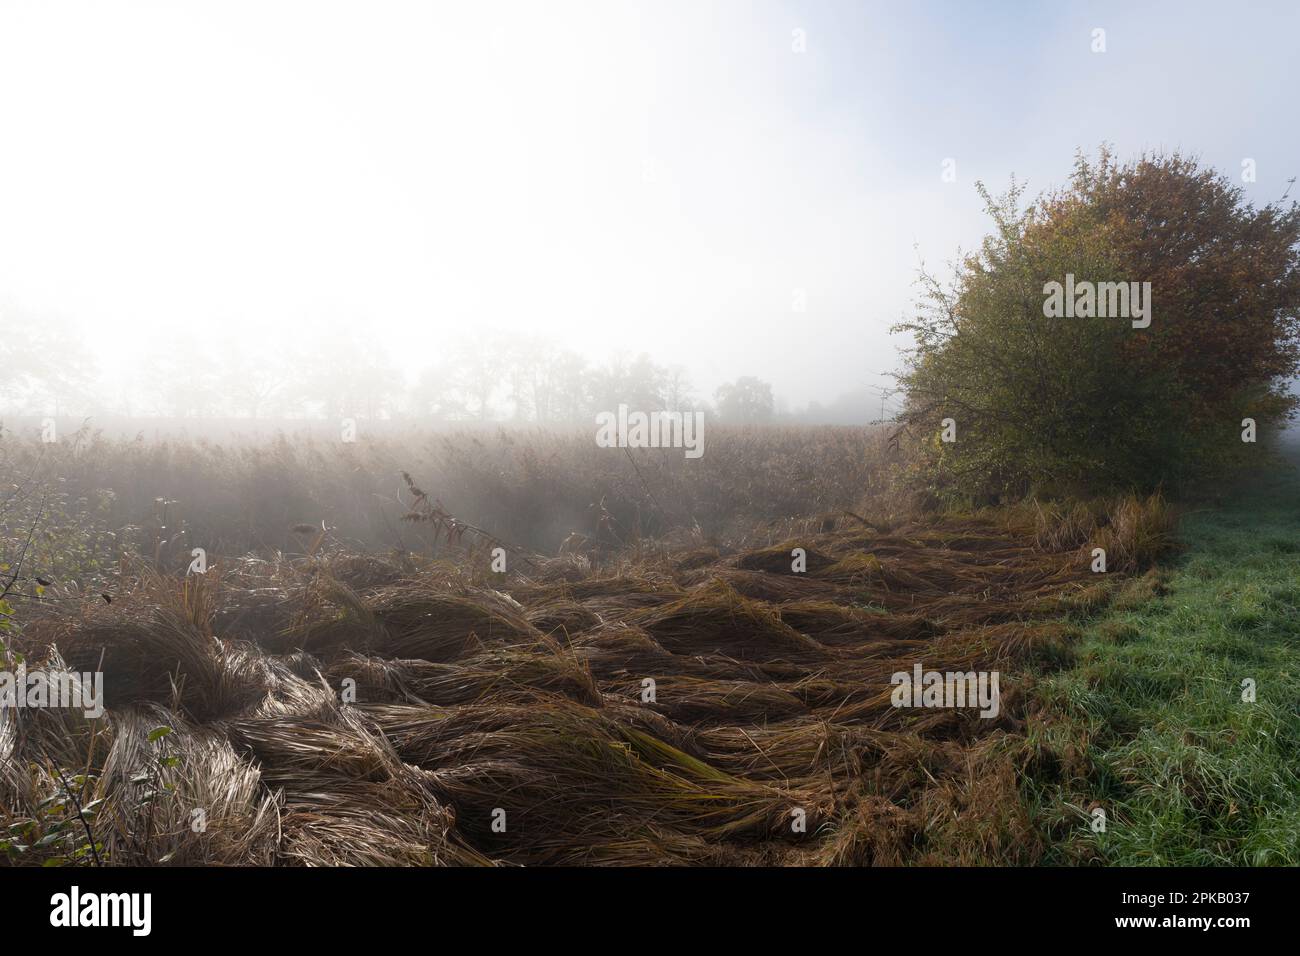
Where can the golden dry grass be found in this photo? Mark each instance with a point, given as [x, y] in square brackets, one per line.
[344, 710]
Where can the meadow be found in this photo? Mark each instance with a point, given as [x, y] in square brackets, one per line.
[510, 646]
[1181, 698]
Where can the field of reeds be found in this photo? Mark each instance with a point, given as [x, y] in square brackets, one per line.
[234, 492]
[647, 681]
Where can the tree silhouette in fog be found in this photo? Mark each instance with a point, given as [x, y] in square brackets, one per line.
[746, 401]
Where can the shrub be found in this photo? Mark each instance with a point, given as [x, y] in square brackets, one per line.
[1058, 405]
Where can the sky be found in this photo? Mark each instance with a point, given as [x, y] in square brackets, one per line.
[739, 188]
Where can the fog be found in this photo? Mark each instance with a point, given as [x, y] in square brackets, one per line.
[464, 210]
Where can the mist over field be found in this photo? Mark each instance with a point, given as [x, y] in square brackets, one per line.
[628, 434]
[225, 202]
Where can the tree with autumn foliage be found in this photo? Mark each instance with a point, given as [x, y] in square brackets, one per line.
[1042, 404]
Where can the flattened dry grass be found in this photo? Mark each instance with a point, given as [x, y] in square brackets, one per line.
[689, 707]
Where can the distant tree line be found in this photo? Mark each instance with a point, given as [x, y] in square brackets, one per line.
[490, 377]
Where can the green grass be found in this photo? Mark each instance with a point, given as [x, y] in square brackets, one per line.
[1149, 723]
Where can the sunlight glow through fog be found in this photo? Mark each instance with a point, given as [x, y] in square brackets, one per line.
[658, 177]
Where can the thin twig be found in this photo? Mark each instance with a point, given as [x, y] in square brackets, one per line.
[80, 814]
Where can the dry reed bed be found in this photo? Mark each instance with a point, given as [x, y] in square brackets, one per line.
[346, 710]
